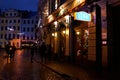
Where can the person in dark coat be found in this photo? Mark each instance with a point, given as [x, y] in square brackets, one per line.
[13, 51]
[32, 52]
[9, 49]
[43, 52]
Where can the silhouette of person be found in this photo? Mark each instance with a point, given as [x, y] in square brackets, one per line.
[32, 52]
[43, 52]
[13, 51]
[9, 50]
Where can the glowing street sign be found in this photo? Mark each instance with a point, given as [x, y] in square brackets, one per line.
[82, 15]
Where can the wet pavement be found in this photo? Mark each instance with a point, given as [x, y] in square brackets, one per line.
[22, 69]
[19, 69]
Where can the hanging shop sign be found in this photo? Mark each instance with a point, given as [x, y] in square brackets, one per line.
[82, 15]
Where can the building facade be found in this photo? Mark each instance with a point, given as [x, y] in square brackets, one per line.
[80, 31]
[11, 27]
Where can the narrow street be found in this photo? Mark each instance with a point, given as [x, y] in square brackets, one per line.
[22, 69]
[19, 69]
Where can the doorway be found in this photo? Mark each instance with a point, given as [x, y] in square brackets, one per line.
[114, 37]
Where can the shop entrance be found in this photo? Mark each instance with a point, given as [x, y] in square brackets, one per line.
[114, 37]
[81, 44]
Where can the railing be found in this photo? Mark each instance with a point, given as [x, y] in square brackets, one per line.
[48, 73]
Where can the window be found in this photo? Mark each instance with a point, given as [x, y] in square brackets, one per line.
[18, 21]
[23, 37]
[6, 21]
[5, 36]
[32, 29]
[24, 22]
[36, 21]
[27, 37]
[14, 21]
[31, 37]
[32, 21]
[14, 27]
[1, 36]
[24, 29]
[6, 28]
[28, 29]
[10, 21]
[9, 36]
[14, 14]
[2, 21]
[18, 27]
[6, 14]
[1, 28]
[14, 36]
[28, 21]
[10, 14]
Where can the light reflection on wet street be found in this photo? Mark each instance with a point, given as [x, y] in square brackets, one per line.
[21, 68]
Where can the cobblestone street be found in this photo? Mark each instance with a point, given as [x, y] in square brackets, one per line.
[19, 69]
[23, 69]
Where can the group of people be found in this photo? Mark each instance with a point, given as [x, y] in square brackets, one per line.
[10, 49]
[42, 50]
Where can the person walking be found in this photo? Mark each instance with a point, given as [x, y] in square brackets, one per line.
[13, 51]
[43, 52]
[32, 53]
[9, 51]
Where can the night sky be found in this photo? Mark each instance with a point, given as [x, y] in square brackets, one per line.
[19, 4]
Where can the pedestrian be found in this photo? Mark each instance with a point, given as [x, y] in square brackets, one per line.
[9, 50]
[32, 53]
[43, 52]
[13, 51]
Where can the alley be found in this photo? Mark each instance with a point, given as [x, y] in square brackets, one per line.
[23, 69]
[19, 69]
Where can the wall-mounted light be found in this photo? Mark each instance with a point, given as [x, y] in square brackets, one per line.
[63, 32]
[53, 34]
[78, 33]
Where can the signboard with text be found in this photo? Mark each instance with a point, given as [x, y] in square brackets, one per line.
[82, 15]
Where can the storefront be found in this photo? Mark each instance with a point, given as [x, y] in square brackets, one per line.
[81, 42]
[80, 39]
